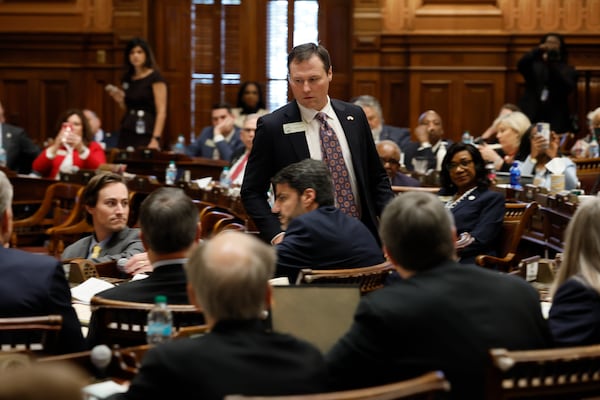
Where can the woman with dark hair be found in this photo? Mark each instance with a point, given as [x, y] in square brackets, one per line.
[250, 100]
[548, 82]
[73, 148]
[478, 212]
[143, 96]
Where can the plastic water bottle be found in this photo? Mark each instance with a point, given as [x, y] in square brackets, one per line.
[179, 147]
[160, 321]
[467, 138]
[225, 180]
[171, 173]
[2, 157]
[140, 125]
[515, 176]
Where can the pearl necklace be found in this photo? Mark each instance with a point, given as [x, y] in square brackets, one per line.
[451, 205]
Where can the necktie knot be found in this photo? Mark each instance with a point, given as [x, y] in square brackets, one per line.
[321, 117]
[96, 251]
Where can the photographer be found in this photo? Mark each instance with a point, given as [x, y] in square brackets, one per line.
[548, 82]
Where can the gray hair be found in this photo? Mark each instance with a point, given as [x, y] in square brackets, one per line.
[416, 230]
[592, 115]
[366, 100]
[168, 220]
[515, 120]
[230, 273]
[6, 193]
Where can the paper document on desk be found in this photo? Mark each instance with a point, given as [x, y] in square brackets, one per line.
[103, 390]
[86, 290]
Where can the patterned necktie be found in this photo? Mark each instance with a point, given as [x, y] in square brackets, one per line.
[96, 251]
[333, 158]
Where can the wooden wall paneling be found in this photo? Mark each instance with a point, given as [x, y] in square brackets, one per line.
[13, 94]
[130, 18]
[432, 92]
[397, 101]
[478, 109]
[55, 99]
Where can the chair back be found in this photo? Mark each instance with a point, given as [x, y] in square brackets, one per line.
[562, 373]
[210, 217]
[425, 386]
[554, 224]
[38, 334]
[517, 219]
[124, 323]
[60, 205]
[368, 278]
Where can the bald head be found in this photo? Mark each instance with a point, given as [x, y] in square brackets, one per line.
[390, 156]
[433, 123]
[229, 275]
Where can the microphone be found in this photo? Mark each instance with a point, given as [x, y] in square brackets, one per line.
[101, 356]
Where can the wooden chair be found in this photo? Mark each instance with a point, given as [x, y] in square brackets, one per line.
[210, 217]
[38, 335]
[425, 386]
[554, 225]
[517, 218]
[561, 373]
[60, 204]
[124, 322]
[230, 224]
[588, 173]
[368, 278]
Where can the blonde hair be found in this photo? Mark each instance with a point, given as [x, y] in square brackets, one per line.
[515, 120]
[582, 253]
[591, 115]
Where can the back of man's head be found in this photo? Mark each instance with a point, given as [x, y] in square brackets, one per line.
[168, 220]
[229, 274]
[306, 174]
[416, 231]
[94, 186]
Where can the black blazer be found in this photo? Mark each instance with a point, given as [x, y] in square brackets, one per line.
[273, 149]
[445, 318]
[236, 357]
[20, 150]
[34, 285]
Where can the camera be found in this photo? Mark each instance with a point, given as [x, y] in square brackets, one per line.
[553, 55]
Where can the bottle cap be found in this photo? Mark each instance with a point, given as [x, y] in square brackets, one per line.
[160, 299]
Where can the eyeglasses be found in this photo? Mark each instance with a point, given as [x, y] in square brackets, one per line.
[392, 161]
[462, 163]
[248, 130]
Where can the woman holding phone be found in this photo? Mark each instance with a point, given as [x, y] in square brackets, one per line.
[72, 149]
[143, 95]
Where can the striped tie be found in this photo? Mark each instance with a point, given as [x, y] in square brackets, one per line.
[333, 158]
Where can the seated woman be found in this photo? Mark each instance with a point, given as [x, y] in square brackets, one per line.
[73, 148]
[250, 100]
[581, 148]
[513, 136]
[542, 152]
[574, 317]
[478, 212]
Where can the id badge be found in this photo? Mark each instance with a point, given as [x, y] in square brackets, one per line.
[544, 95]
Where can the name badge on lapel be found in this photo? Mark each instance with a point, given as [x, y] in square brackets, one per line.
[294, 127]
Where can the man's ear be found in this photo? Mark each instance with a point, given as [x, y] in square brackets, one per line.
[308, 197]
[143, 240]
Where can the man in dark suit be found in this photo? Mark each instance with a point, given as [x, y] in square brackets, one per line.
[292, 133]
[372, 109]
[317, 234]
[169, 229]
[220, 140]
[33, 284]
[390, 156]
[228, 280]
[430, 147]
[20, 150]
[441, 316]
[106, 202]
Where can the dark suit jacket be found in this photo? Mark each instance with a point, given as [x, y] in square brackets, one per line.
[204, 145]
[122, 244]
[401, 179]
[413, 150]
[326, 238]
[34, 285]
[20, 150]
[445, 318]
[273, 149]
[236, 357]
[480, 214]
[574, 318]
[399, 135]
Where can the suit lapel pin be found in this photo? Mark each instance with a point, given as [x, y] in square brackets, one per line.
[350, 118]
